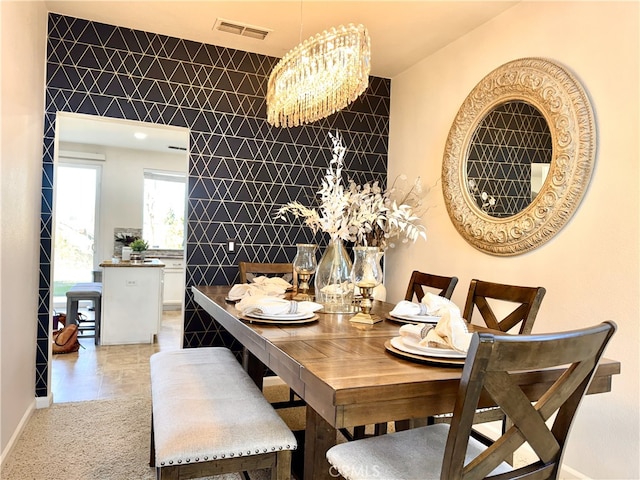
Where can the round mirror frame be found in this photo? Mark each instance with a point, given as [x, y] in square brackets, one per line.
[564, 104]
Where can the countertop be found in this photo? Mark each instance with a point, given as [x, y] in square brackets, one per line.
[120, 263]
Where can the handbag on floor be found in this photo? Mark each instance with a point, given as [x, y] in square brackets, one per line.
[66, 340]
[59, 319]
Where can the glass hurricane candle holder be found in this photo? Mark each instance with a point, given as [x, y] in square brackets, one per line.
[305, 265]
[366, 274]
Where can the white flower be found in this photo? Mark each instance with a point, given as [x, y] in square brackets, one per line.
[362, 213]
[333, 215]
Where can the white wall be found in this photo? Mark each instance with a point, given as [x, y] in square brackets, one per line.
[122, 187]
[591, 268]
[23, 42]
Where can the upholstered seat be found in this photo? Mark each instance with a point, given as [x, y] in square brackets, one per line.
[207, 411]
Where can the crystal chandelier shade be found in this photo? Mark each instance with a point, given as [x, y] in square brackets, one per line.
[320, 76]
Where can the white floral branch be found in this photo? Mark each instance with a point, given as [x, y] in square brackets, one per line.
[363, 214]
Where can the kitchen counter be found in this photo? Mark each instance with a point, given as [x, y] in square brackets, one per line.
[131, 301]
[154, 262]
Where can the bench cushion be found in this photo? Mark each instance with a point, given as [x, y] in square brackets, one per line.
[206, 407]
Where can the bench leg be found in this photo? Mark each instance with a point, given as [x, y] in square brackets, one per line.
[152, 446]
[282, 469]
[168, 473]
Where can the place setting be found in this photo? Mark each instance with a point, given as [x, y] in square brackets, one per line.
[260, 286]
[429, 310]
[276, 310]
[443, 343]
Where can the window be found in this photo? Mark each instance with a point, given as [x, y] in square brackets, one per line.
[164, 209]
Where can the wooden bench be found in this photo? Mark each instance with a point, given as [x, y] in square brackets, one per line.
[209, 418]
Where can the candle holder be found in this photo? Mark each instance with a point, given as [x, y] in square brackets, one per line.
[366, 275]
[304, 265]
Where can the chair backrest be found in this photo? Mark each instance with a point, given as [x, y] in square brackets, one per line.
[492, 368]
[419, 280]
[527, 298]
[248, 270]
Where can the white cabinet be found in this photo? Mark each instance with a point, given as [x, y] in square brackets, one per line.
[131, 303]
[173, 283]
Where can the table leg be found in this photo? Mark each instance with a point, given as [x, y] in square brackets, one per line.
[254, 367]
[319, 437]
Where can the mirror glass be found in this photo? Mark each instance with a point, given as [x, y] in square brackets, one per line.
[101, 165]
[519, 157]
[509, 156]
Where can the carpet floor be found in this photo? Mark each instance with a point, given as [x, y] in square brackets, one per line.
[93, 440]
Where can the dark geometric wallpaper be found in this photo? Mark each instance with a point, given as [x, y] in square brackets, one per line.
[511, 138]
[241, 169]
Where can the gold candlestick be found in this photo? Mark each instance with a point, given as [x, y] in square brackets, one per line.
[366, 275]
[305, 265]
[303, 285]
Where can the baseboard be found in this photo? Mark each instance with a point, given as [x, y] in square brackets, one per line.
[568, 473]
[171, 307]
[44, 402]
[16, 434]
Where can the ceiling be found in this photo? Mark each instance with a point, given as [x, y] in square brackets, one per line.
[402, 33]
[92, 130]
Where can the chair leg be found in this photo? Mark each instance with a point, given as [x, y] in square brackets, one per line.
[358, 432]
[402, 425]
[380, 429]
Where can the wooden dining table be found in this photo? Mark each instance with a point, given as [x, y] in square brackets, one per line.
[346, 375]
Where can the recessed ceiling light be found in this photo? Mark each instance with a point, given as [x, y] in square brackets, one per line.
[140, 135]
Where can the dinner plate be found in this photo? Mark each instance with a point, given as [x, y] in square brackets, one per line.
[284, 316]
[421, 358]
[406, 344]
[280, 321]
[413, 318]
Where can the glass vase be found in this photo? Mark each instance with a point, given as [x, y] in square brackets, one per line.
[380, 292]
[333, 286]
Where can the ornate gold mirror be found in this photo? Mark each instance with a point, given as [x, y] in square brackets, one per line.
[519, 157]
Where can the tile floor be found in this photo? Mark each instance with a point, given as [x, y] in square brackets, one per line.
[111, 371]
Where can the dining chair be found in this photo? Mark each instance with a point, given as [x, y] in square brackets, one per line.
[527, 300]
[249, 270]
[444, 287]
[490, 375]
[523, 304]
[419, 280]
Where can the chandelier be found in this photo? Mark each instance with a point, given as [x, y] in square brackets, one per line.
[320, 76]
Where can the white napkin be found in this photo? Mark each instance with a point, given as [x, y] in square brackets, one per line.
[338, 288]
[272, 281]
[431, 305]
[450, 332]
[275, 306]
[242, 290]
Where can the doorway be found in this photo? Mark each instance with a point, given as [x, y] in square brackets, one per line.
[76, 219]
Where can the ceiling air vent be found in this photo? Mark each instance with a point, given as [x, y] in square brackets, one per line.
[242, 29]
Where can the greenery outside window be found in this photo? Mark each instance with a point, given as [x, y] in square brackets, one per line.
[164, 209]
